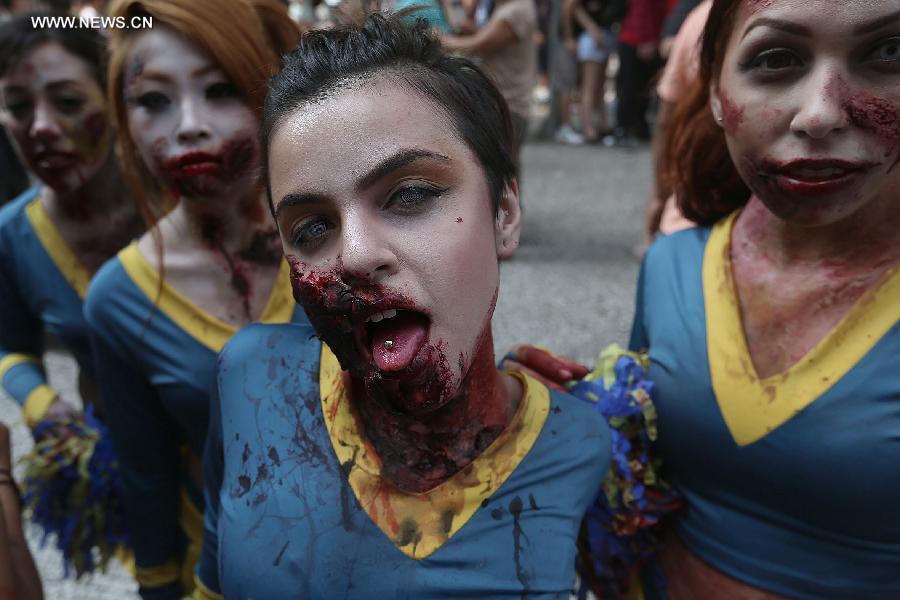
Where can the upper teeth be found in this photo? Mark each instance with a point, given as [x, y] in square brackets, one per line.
[382, 315]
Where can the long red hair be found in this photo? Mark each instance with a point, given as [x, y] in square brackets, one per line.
[698, 167]
[245, 37]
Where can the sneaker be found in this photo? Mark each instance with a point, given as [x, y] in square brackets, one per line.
[567, 135]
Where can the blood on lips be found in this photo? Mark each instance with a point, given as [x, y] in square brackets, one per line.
[414, 372]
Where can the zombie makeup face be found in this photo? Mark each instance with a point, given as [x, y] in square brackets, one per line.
[386, 218]
[55, 111]
[187, 120]
[809, 98]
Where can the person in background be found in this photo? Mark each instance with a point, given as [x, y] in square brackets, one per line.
[565, 75]
[672, 25]
[638, 63]
[593, 22]
[505, 47]
[435, 12]
[186, 96]
[678, 75]
[56, 235]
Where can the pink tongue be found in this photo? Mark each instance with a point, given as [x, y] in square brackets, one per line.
[406, 332]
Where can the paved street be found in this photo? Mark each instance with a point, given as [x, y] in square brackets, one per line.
[569, 288]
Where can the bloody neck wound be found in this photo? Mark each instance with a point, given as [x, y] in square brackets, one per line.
[423, 427]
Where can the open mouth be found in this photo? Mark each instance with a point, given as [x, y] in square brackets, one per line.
[394, 337]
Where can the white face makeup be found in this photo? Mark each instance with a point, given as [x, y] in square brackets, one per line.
[809, 98]
[374, 192]
[187, 120]
[54, 110]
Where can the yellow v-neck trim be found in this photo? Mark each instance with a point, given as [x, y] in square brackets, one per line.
[202, 326]
[73, 271]
[419, 524]
[753, 407]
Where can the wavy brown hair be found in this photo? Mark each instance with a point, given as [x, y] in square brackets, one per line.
[698, 167]
[246, 38]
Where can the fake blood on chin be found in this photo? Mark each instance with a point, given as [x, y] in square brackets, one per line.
[199, 173]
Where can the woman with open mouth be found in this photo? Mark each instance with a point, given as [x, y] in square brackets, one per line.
[392, 459]
[774, 328]
[186, 95]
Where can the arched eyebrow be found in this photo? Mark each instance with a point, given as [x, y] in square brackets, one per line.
[289, 200]
[786, 26]
[802, 30]
[392, 163]
[877, 24]
[396, 161]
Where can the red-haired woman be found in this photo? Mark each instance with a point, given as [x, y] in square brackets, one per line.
[774, 328]
[186, 96]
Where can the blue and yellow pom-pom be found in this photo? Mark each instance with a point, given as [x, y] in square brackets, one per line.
[71, 489]
[620, 524]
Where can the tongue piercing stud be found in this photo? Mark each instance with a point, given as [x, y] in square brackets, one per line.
[388, 344]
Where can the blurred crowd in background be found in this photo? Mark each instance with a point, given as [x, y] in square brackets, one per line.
[582, 71]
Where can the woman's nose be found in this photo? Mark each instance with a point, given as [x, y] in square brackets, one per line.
[192, 125]
[45, 126]
[823, 107]
[366, 254]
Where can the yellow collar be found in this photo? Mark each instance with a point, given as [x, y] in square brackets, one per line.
[202, 326]
[753, 407]
[419, 524]
[59, 251]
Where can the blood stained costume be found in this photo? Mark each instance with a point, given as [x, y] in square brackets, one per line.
[42, 287]
[158, 352]
[791, 482]
[296, 506]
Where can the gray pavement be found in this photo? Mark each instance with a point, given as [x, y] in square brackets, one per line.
[570, 288]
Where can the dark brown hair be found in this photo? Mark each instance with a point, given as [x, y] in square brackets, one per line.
[698, 167]
[388, 45]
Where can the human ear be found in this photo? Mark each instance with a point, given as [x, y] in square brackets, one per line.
[715, 103]
[508, 223]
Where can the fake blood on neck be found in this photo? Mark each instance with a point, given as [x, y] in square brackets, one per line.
[424, 426]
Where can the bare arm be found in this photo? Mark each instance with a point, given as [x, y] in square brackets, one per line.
[568, 18]
[496, 34]
[18, 576]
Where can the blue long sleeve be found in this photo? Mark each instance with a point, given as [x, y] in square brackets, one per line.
[21, 343]
[147, 442]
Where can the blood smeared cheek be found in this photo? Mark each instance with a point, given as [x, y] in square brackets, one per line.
[732, 114]
[878, 115]
[90, 135]
[330, 306]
